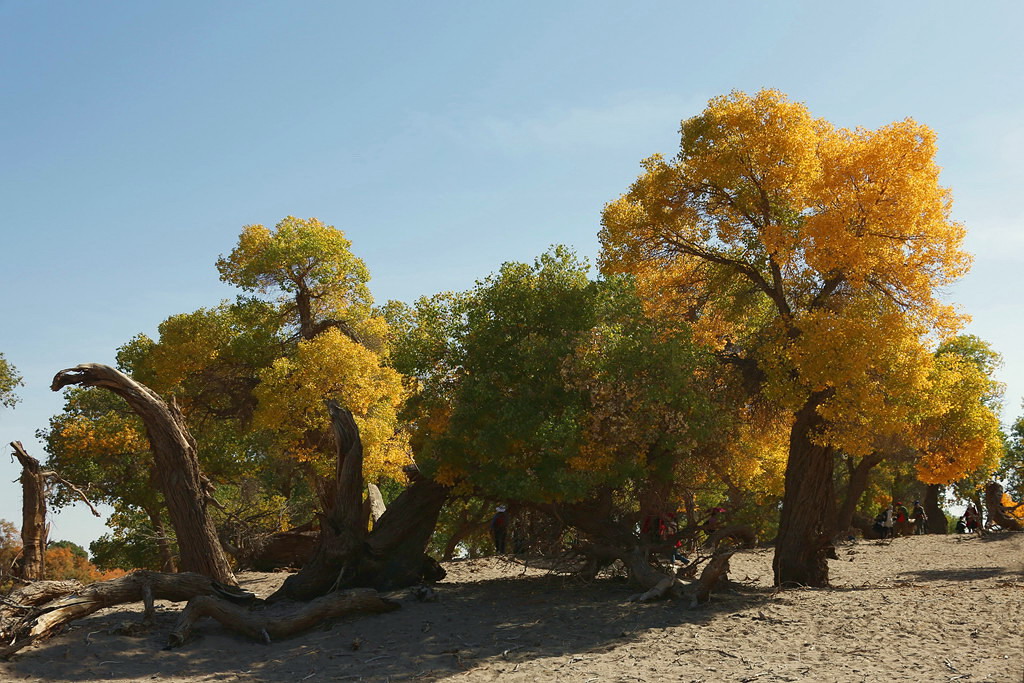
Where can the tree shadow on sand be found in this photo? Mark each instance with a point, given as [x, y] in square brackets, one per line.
[498, 622]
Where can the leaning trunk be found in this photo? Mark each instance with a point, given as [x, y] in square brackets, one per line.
[33, 516]
[808, 506]
[185, 489]
[855, 489]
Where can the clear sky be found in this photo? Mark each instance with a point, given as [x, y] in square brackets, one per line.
[137, 138]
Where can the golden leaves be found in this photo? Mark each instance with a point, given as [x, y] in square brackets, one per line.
[292, 392]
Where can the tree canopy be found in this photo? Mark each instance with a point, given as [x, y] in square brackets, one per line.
[10, 380]
[796, 243]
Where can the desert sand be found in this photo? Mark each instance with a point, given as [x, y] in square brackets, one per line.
[931, 608]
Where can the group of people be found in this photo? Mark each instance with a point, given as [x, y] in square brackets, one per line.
[970, 521]
[896, 516]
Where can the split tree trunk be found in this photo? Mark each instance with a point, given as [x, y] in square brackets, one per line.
[392, 555]
[174, 453]
[33, 516]
[808, 506]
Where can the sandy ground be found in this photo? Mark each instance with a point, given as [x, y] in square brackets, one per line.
[929, 608]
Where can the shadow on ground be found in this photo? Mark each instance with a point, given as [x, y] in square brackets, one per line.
[509, 619]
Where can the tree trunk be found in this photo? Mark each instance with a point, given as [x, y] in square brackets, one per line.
[937, 523]
[376, 500]
[33, 516]
[392, 555]
[855, 489]
[997, 512]
[808, 505]
[185, 489]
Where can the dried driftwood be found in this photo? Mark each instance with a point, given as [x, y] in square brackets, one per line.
[40, 609]
[281, 620]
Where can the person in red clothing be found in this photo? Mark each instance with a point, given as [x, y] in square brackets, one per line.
[499, 529]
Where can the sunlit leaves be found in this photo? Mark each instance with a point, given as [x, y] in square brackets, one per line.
[818, 251]
[10, 380]
[305, 265]
[292, 391]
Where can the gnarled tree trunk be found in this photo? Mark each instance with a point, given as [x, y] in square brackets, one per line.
[997, 512]
[392, 555]
[33, 516]
[183, 485]
[808, 507]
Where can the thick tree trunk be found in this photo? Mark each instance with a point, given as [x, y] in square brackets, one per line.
[808, 506]
[184, 487]
[937, 523]
[33, 516]
[392, 555]
[855, 489]
[997, 512]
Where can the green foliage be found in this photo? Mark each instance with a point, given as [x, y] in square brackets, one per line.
[10, 380]
[1011, 467]
[73, 548]
[131, 544]
[306, 266]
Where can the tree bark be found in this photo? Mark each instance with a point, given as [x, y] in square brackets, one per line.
[997, 512]
[78, 602]
[267, 626]
[392, 555]
[937, 523]
[376, 500]
[855, 489]
[33, 516]
[182, 483]
[808, 506]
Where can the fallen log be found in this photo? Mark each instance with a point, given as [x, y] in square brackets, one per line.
[44, 618]
[278, 621]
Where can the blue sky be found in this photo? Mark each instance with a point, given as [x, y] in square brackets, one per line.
[136, 139]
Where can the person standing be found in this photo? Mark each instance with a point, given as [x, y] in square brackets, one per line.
[499, 529]
[972, 519]
[884, 522]
[920, 519]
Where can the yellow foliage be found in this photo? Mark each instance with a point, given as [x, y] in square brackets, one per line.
[960, 433]
[1011, 508]
[61, 564]
[94, 437]
[819, 251]
[292, 392]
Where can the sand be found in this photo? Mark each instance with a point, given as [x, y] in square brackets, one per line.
[932, 608]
